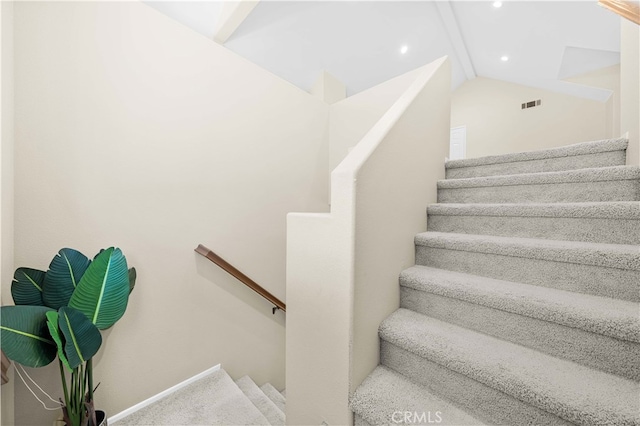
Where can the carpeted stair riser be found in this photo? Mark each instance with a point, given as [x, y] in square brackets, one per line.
[603, 153]
[212, 400]
[602, 270]
[268, 409]
[487, 404]
[601, 315]
[584, 185]
[601, 159]
[605, 353]
[387, 397]
[588, 279]
[276, 397]
[624, 190]
[547, 221]
[531, 379]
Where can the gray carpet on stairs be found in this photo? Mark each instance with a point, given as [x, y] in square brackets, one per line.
[566, 389]
[385, 388]
[604, 333]
[608, 270]
[618, 183]
[272, 413]
[604, 222]
[276, 397]
[212, 400]
[522, 308]
[604, 153]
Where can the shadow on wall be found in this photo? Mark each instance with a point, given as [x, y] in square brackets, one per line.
[221, 279]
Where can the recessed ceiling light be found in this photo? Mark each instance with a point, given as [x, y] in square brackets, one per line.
[497, 4]
[404, 49]
[504, 58]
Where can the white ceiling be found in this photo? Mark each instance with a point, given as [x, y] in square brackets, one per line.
[359, 41]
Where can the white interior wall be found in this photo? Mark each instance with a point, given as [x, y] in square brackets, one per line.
[395, 185]
[343, 266]
[328, 88]
[630, 88]
[496, 124]
[6, 184]
[351, 118]
[132, 130]
[605, 78]
[349, 121]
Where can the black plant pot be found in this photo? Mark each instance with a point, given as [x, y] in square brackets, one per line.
[101, 418]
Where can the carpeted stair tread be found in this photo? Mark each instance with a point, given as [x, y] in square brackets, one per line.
[385, 394]
[601, 222]
[617, 256]
[610, 317]
[284, 393]
[272, 413]
[584, 148]
[274, 395]
[570, 391]
[212, 400]
[600, 174]
[596, 210]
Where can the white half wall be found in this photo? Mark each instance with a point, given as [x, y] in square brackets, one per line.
[343, 266]
[132, 130]
[496, 124]
[351, 118]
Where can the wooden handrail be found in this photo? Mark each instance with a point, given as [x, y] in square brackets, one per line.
[627, 9]
[279, 304]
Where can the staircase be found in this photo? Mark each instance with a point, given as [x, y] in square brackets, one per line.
[522, 307]
[214, 400]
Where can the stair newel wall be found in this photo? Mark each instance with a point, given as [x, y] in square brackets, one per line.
[342, 267]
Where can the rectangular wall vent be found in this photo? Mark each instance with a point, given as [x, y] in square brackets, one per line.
[531, 104]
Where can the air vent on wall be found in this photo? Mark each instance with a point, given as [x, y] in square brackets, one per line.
[531, 104]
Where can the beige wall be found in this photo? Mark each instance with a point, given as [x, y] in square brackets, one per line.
[396, 184]
[630, 88]
[328, 88]
[132, 130]
[351, 118]
[6, 183]
[497, 125]
[342, 267]
[605, 78]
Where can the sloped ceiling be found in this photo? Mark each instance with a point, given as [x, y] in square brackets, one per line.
[360, 42]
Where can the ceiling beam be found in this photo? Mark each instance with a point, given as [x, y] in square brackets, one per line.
[231, 17]
[455, 36]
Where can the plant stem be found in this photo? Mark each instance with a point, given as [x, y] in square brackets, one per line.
[64, 383]
[90, 374]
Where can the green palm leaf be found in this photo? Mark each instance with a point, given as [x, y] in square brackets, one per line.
[82, 338]
[64, 274]
[133, 275]
[103, 291]
[26, 287]
[54, 330]
[24, 336]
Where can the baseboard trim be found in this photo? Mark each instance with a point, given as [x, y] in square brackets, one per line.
[161, 395]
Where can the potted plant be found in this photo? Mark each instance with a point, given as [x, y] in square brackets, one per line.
[59, 314]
